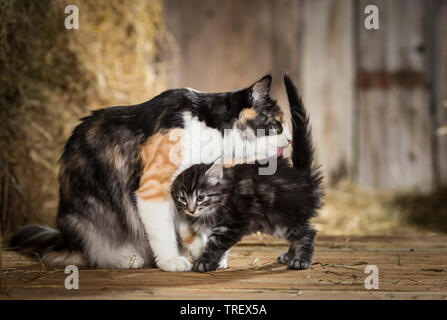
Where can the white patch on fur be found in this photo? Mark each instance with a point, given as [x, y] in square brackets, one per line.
[279, 232]
[287, 133]
[245, 146]
[201, 144]
[223, 261]
[197, 246]
[220, 229]
[158, 221]
[193, 90]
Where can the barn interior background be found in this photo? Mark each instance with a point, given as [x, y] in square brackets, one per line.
[377, 98]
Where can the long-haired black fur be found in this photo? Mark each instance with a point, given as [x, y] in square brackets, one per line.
[228, 203]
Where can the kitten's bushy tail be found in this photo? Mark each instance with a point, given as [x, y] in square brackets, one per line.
[303, 151]
[46, 243]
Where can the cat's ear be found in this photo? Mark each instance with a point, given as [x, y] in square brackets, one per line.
[215, 172]
[259, 91]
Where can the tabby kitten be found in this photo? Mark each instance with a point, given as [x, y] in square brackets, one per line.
[228, 203]
[115, 208]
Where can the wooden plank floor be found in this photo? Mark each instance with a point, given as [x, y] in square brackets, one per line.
[409, 268]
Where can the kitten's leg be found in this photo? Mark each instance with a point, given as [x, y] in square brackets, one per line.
[223, 261]
[158, 220]
[197, 246]
[301, 248]
[218, 244]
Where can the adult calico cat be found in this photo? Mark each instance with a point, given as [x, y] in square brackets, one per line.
[115, 209]
[227, 203]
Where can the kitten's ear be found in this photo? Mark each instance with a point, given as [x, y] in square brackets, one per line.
[215, 172]
[260, 90]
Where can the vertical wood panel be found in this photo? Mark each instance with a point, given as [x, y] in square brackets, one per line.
[440, 84]
[327, 66]
[394, 120]
[223, 45]
[226, 45]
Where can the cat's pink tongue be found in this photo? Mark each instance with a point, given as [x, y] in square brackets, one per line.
[279, 152]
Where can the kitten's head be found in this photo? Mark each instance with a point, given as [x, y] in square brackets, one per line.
[199, 190]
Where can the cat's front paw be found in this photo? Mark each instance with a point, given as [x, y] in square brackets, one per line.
[176, 264]
[204, 265]
[284, 258]
[298, 264]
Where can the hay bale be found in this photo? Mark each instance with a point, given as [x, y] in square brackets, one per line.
[50, 77]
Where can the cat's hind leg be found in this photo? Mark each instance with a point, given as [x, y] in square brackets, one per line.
[102, 248]
[125, 257]
[299, 256]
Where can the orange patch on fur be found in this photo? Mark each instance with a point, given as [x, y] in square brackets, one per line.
[249, 113]
[246, 114]
[158, 165]
[189, 239]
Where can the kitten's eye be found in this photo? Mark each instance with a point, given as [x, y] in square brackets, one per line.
[200, 198]
[182, 199]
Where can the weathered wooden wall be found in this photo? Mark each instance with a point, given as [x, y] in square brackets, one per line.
[439, 73]
[376, 97]
[394, 145]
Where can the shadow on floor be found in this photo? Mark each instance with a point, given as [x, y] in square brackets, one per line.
[428, 211]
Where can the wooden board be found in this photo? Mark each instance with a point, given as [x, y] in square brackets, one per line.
[394, 146]
[223, 46]
[409, 268]
[327, 76]
[439, 68]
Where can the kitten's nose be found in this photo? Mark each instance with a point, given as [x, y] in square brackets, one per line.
[191, 209]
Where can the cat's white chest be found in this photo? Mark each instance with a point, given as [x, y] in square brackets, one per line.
[200, 143]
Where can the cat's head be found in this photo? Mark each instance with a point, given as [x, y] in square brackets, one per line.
[260, 126]
[252, 124]
[199, 190]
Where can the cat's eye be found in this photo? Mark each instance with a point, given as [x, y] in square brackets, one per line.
[277, 126]
[182, 199]
[200, 198]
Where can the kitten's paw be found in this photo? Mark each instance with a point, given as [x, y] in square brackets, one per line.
[298, 264]
[176, 264]
[284, 258]
[222, 264]
[203, 265]
[223, 261]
